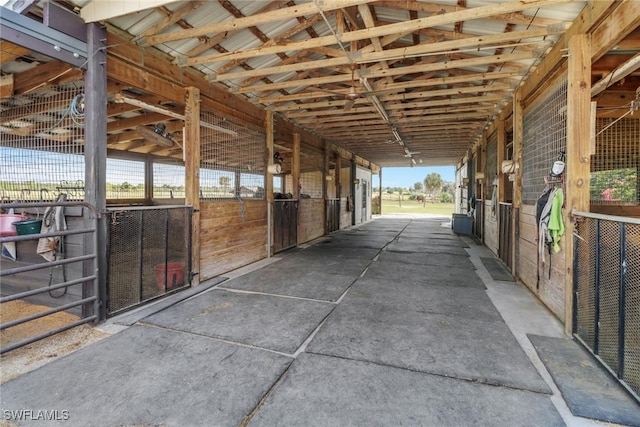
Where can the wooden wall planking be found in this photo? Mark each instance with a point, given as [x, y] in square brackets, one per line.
[229, 241]
[345, 215]
[491, 227]
[550, 291]
[311, 219]
[617, 210]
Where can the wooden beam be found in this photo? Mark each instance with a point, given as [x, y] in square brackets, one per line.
[252, 21]
[630, 66]
[10, 52]
[420, 68]
[404, 27]
[593, 13]
[192, 173]
[6, 86]
[440, 8]
[518, 138]
[359, 57]
[172, 18]
[578, 150]
[45, 74]
[295, 166]
[623, 20]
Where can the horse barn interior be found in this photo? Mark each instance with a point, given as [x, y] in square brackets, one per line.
[165, 143]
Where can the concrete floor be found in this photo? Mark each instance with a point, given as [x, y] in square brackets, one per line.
[394, 322]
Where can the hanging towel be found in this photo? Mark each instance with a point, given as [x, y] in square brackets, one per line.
[9, 249]
[556, 223]
[48, 247]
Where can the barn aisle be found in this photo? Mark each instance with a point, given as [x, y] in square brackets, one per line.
[393, 322]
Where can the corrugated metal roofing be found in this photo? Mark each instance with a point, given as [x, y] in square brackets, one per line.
[437, 85]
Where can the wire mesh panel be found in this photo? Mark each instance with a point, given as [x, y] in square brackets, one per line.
[346, 181]
[42, 144]
[149, 254]
[631, 368]
[311, 172]
[168, 179]
[125, 179]
[492, 165]
[609, 291]
[232, 158]
[584, 277]
[614, 167]
[607, 294]
[545, 137]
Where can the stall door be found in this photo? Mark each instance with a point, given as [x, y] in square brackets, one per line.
[285, 224]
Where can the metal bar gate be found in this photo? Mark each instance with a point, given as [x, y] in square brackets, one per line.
[72, 277]
[606, 293]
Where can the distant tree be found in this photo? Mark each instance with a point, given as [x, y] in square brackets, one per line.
[433, 183]
[224, 181]
[417, 186]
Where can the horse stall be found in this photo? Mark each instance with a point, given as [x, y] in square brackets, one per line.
[47, 230]
[311, 217]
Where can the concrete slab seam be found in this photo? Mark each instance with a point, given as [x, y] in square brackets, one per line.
[436, 374]
[151, 325]
[242, 291]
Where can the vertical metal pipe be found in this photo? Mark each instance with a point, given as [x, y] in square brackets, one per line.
[166, 248]
[622, 299]
[576, 282]
[269, 227]
[189, 218]
[596, 314]
[140, 252]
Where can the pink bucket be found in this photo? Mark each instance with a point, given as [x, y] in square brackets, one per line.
[175, 275]
[6, 226]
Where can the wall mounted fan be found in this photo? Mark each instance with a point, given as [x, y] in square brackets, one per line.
[157, 134]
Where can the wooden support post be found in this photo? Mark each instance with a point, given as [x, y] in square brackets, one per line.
[192, 173]
[502, 141]
[325, 174]
[578, 158]
[95, 157]
[268, 126]
[380, 192]
[338, 175]
[353, 189]
[295, 166]
[518, 138]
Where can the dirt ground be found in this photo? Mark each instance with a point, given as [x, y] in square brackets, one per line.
[34, 355]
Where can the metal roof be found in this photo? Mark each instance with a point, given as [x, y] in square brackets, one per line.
[360, 73]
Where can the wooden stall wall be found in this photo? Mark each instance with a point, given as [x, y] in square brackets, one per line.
[311, 219]
[532, 271]
[491, 226]
[491, 206]
[346, 201]
[232, 234]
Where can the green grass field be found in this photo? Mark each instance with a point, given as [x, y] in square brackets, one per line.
[415, 207]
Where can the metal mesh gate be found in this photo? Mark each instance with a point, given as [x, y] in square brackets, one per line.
[149, 254]
[607, 293]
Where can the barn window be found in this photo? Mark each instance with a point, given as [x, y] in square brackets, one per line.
[125, 179]
[232, 158]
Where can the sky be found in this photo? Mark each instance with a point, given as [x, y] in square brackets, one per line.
[405, 177]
